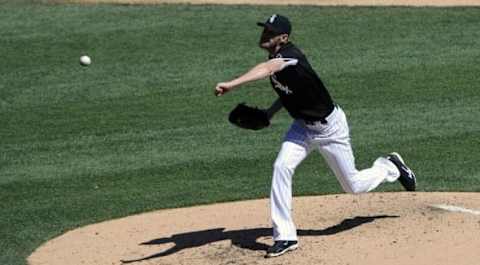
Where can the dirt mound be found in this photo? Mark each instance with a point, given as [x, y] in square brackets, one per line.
[373, 228]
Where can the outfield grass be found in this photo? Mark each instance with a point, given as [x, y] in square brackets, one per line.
[140, 129]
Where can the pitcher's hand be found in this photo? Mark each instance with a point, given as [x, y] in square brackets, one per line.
[222, 88]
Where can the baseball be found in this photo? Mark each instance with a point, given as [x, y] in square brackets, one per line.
[85, 60]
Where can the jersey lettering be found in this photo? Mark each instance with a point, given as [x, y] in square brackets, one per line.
[280, 86]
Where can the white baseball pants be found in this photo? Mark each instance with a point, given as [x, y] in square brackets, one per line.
[332, 140]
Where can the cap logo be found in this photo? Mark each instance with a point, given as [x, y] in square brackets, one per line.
[272, 19]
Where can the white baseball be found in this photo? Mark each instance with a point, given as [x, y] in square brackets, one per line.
[85, 60]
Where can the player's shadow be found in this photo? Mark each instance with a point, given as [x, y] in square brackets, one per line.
[244, 238]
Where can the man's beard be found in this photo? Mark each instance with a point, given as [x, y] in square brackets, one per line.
[265, 45]
[268, 45]
[266, 40]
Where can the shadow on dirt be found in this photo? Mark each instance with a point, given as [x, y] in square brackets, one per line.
[245, 238]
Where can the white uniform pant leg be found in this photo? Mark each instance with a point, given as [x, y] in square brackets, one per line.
[337, 151]
[293, 151]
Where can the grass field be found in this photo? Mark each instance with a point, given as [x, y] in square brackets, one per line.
[140, 129]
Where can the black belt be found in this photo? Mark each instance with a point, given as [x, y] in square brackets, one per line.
[322, 120]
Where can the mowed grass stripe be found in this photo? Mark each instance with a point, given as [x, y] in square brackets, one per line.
[86, 155]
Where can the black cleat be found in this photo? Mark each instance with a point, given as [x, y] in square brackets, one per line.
[407, 177]
[281, 247]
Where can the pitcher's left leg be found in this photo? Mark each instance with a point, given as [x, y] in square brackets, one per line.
[338, 153]
[289, 157]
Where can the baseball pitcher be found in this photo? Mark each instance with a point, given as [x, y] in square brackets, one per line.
[318, 124]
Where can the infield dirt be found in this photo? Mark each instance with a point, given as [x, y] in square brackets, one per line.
[374, 228]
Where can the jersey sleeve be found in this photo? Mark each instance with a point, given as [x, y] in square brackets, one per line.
[288, 62]
[290, 57]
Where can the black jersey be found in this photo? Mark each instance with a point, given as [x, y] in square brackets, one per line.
[301, 91]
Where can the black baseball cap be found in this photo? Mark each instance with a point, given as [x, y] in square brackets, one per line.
[278, 24]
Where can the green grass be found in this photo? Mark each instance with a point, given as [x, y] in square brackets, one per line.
[140, 129]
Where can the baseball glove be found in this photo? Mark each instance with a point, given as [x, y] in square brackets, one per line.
[251, 118]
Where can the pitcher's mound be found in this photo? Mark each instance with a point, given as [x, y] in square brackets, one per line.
[374, 228]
